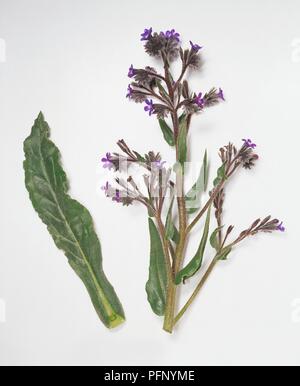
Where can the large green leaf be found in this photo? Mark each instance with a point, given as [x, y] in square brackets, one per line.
[195, 264]
[156, 286]
[68, 222]
[167, 132]
[193, 197]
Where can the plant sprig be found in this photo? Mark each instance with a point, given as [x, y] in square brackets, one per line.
[174, 104]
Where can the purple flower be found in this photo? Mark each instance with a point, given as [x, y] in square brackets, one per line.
[129, 92]
[149, 106]
[109, 191]
[200, 101]
[146, 35]
[195, 47]
[249, 143]
[171, 35]
[131, 72]
[107, 161]
[106, 188]
[159, 164]
[280, 227]
[117, 196]
[220, 94]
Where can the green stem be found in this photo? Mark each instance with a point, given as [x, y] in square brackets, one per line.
[171, 293]
[197, 290]
[170, 308]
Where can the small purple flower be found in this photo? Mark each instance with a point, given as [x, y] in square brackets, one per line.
[159, 164]
[149, 106]
[249, 143]
[107, 161]
[195, 47]
[117, 196]
[220, 94]
[280, 227]
[200, 101]
[131, 72]
[146, 35]
[172, 35]
[106, 188]
[129, 92]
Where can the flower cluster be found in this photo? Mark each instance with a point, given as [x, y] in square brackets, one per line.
[163, 44]
[156, 177]
[160, 93]
[233, 158]
[266, 225]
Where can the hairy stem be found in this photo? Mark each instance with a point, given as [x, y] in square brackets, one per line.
[171, 294]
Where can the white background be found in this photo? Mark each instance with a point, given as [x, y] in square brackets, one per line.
[69, 58]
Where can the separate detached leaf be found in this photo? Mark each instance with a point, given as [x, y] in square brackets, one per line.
[171, 230]
[193, 197]
[68, 222]
[167, 132]
[182, 142]
[156, 286]
[195, 264]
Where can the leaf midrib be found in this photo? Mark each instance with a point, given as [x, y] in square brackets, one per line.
[106, 304]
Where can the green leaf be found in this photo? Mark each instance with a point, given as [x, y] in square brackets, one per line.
[224, 253]
[150, 212]
[68, 222]
[182, 118]
[162, 91]
[214, 241]
[139, 157]
[221, 175]
[176, 235]
[193, 197]
[156, 286]
[182, 142]
[171, 77]
[171, 230]
[167, 132]
[195, 264]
